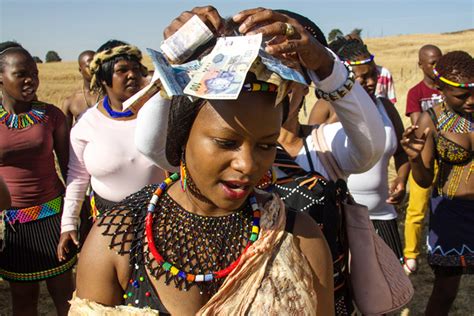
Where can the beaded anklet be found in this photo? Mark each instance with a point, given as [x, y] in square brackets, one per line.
[167, 266]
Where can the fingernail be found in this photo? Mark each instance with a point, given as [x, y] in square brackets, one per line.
[269, 49]
[242, 28]
[237, 17]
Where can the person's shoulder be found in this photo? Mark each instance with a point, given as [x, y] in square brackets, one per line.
[416, 87]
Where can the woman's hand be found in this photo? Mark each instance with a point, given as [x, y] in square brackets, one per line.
[396, 191]
[63, 247]
[207, 14]
[413, 145]
[288, 38]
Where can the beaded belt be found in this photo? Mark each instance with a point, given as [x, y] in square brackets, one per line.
[33, 213]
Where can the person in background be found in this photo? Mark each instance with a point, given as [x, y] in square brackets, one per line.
[371, 188]
[420, 98]
[76, 104]
[445, 134]
[102, 150]
[31, 132]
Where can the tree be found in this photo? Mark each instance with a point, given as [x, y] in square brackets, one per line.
[335, 33]
[37, 60]
[52, 56]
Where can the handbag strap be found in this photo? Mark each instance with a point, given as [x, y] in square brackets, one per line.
[325, 155]
[308, 155]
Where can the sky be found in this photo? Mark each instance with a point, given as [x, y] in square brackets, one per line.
[71, 26]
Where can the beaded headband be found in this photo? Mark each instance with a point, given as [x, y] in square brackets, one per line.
[452, 83]
[102, 57]
[359, 62]
[260, 86]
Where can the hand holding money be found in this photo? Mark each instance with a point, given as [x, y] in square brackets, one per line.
[288, 38]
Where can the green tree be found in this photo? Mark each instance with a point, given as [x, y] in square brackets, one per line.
[37, 60]
[333, 34]
[52, 56]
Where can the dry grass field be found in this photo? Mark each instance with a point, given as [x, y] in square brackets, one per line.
[397, 53]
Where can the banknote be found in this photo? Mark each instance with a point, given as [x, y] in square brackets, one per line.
[184, 42]
[281, 69]
[222, 73]
[165, 73]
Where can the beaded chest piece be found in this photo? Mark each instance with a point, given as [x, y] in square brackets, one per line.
[212, 246]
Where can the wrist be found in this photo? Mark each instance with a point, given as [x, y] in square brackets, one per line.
[326, 66]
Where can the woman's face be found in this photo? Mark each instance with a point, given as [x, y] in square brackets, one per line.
[366, 75]
[231, 145]
[126, 80]
[459, 99]
[19, 78]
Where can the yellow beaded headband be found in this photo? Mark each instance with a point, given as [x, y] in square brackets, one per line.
[359, 62]
[452, 83]
[102, 57]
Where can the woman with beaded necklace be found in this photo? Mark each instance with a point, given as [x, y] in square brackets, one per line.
[212, 245]
[29, 133]
[446, 134]
[102, 149]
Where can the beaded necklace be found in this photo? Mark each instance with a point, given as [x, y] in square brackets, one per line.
[115, 114]
[170, 267]
[450, 121]
[23, 120]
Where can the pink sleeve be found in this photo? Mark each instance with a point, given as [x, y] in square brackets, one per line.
[77, 178]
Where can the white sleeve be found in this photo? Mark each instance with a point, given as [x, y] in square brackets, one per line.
[77, 180]
[363, 137]
[151, 131]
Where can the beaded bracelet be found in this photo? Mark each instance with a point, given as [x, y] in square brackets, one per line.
[342, 91]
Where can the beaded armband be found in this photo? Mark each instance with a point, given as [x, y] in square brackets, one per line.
[342, 91]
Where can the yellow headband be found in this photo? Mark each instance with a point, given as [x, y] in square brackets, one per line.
[101, 57]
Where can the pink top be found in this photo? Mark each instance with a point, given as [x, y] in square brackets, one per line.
[27, 161]
[103, 152]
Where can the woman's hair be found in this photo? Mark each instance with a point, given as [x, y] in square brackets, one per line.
[6, 48]
[309, 25]
[107, 68]
[457, 66]
[349, 49]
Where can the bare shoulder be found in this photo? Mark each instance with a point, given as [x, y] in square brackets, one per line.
[102, 272]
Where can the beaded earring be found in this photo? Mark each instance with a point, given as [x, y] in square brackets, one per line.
[268, 179]
[183, 174]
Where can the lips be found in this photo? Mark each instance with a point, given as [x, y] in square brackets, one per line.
[28, 91]
[235, 190]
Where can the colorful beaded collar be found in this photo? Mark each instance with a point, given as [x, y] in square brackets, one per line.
[359, 62]
[452, 83]
[176, 272]
[23, 120]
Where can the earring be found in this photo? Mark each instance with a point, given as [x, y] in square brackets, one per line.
[183, 174]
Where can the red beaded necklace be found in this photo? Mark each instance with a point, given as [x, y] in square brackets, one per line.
[167, 266]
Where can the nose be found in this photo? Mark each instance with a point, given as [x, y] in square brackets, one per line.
[245, 161]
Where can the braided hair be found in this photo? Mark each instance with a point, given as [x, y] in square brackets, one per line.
[309, 26]
[457, 66]
[107, 68]
[349, 49]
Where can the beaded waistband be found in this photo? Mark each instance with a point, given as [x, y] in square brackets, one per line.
[33, 213]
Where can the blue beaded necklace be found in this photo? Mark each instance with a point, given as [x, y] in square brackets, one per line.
[113, 113]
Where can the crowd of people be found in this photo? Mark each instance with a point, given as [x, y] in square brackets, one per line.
[178, 205]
